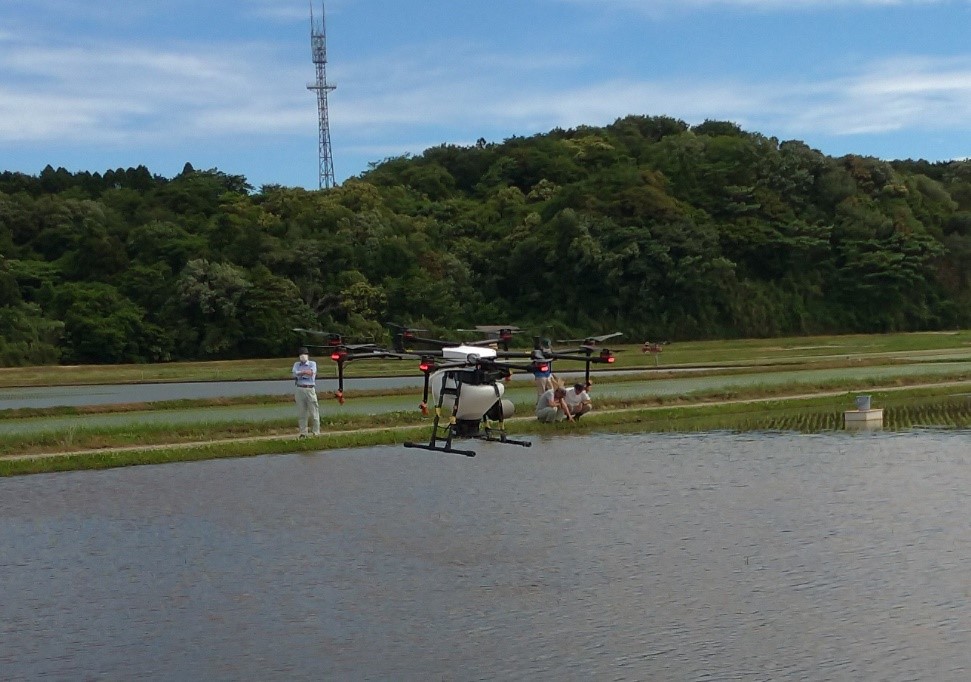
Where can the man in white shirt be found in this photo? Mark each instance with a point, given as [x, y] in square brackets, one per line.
[578, 400]
[305, 377]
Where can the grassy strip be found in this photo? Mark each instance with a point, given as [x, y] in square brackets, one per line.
[267, 369]
[749, 351]
[125, 408]
[183, 404]
[213, 450]
[131, 435]
[900, 413]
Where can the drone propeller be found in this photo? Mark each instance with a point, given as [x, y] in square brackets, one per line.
[404, 329]
[496, 334]
[591, 340]
[496, 328]
[315, 332]
[594, 348]
[353, 347]
[333, 338]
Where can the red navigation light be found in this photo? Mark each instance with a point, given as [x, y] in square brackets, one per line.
[543, 367]
[426, 365]
[606, 356]
[339, 355]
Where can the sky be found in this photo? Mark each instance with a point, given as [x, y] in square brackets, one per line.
[92, 85]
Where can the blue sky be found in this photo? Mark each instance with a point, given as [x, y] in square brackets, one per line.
[99, 84]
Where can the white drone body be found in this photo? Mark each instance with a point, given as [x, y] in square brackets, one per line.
[476, 396]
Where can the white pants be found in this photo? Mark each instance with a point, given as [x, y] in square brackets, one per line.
[549, 415]
[307, 409]
[543, 384]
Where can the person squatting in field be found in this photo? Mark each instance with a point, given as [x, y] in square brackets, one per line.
[578, 400]
[552, 407]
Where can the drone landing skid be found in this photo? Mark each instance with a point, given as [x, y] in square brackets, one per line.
[444, 447]
[445, 444]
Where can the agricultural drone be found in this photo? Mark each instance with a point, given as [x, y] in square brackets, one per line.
[465, 380]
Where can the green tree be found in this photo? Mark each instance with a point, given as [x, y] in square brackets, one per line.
[267, 311]
[208, 296]
[28, 337]
[101, 325]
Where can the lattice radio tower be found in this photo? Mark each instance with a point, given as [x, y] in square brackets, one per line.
[318, 46]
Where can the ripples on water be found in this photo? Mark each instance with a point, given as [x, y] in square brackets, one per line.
[712, 556]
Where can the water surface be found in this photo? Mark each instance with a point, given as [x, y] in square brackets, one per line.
[760, 556]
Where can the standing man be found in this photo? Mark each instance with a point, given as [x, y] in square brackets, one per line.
[305, 376]
[578, 400]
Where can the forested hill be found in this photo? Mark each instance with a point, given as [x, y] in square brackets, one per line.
[647, 226]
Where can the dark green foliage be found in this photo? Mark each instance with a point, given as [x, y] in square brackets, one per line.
[101, 325]
[647, 225]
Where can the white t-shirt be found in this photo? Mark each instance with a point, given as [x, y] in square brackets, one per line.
[573, 398]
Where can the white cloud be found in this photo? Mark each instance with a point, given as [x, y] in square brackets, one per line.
[654, 6]
[116, 93]
[285, 12]
[26, 117]
[892, 95]
[290, 11]
[660, 9]
[885, 96]
[897, 97]
[113, 93]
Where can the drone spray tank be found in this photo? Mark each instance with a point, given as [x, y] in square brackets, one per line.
[477, 391]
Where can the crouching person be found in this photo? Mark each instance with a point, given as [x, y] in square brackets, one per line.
[552, 407]
[578, 400]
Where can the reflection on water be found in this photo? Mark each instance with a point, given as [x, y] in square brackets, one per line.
[672, 557]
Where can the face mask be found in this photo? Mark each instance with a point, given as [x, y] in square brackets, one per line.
[304, 358]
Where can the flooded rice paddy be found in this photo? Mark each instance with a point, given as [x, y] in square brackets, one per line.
[706, 556]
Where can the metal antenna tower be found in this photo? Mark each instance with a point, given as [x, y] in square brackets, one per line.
[318, 46]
